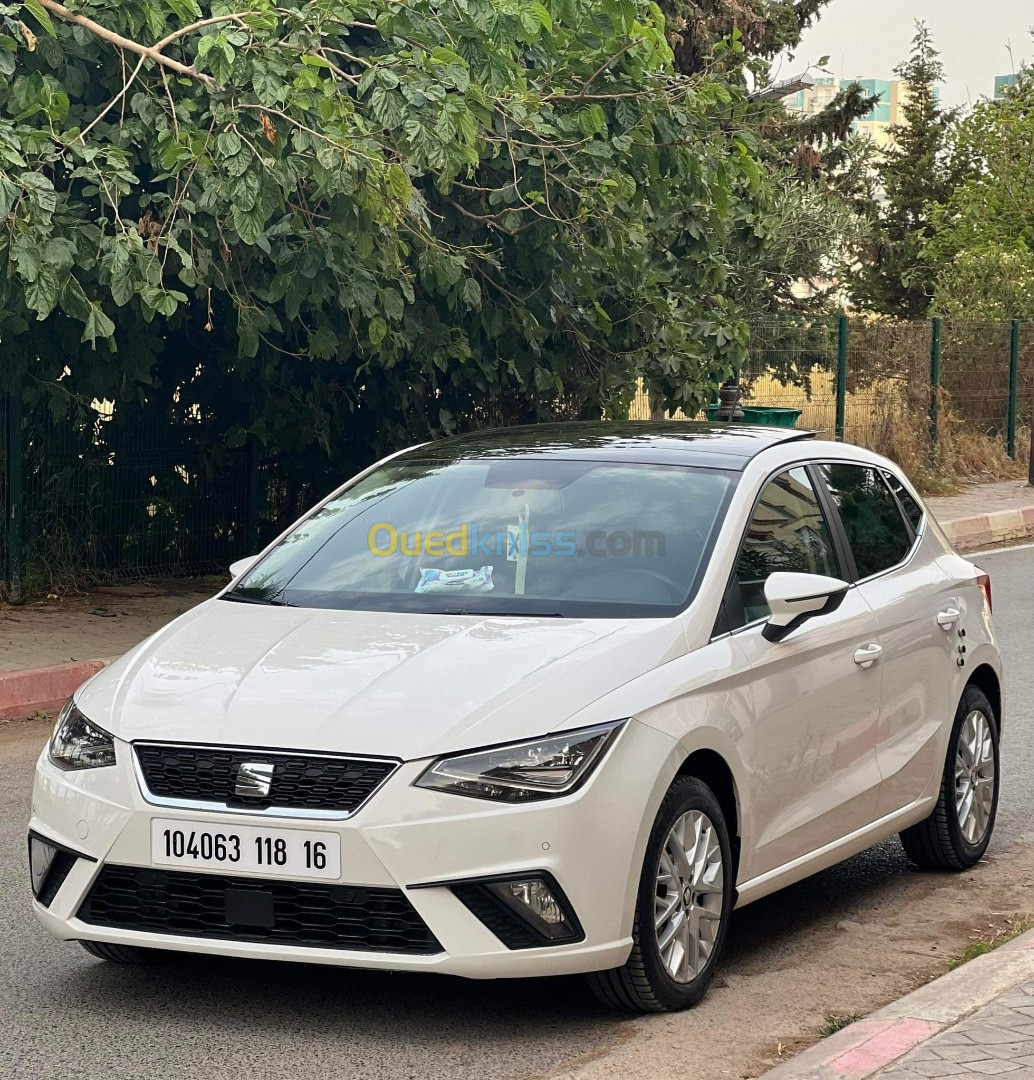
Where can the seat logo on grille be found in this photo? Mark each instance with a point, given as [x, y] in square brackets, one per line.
[254, 779]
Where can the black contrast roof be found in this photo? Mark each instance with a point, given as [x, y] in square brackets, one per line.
[669, 442]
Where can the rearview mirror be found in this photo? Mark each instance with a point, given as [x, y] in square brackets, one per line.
[795, 598]
[242, 566]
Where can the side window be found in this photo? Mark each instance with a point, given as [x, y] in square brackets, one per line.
[875, 528]
[788, 533]
[913, 511]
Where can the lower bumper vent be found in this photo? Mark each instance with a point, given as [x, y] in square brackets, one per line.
[256, 910]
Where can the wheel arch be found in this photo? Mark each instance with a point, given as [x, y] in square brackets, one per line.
[986, 680]
[710, 767]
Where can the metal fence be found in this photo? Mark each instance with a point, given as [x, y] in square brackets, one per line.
[102, 492]
[863, 380]
[97, 494]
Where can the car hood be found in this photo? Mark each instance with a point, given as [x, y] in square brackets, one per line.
[364, 682]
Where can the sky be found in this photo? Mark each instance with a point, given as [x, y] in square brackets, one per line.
[869, 38]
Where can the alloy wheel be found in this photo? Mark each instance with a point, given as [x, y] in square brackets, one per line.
[689, 895]
[974, 776]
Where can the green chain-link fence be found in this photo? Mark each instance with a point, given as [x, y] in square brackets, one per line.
[863, 380]
[102, 493]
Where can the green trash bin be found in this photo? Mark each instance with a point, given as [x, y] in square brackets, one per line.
[769, 416]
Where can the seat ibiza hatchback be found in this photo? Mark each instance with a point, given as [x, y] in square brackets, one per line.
[533, 702]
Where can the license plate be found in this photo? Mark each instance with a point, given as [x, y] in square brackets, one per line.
[271, 852]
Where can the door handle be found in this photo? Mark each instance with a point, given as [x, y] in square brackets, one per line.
[947, 619]
[868, 656]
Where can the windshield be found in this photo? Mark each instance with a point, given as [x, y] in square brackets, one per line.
[504, 536]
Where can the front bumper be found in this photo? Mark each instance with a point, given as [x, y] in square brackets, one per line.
[404, 838]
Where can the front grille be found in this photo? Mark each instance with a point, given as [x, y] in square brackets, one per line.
[301, 913]
[300, 781]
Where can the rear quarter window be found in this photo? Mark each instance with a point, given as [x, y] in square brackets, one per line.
[913, 511]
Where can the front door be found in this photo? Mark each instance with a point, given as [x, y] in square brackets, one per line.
[816, 694]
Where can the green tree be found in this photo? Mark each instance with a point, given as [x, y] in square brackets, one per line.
[350, 225]
[982, 238]
[806, 215]
[765, 27]
[915, 174]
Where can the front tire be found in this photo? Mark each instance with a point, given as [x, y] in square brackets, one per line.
[955, 836]
[682, 909]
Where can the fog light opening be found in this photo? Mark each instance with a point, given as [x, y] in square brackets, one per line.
[536, 895]
[41, 859]
[49, 864]
[541, 904]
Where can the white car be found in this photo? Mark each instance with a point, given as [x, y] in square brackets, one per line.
[533, 702]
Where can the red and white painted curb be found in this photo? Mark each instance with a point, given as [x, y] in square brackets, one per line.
[986, 530]
[23, 693]
[865, 1048]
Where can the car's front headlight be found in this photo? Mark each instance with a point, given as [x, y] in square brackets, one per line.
[79, 744]
[522, 772]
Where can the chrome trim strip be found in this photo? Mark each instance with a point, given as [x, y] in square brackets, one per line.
[298, 813]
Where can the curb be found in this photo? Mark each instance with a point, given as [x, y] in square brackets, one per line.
[867, 1047]
[45, 689]
[985, 530]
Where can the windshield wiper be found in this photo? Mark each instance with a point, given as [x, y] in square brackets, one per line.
[239, 598]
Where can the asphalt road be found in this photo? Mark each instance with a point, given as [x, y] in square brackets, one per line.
[64, 1015]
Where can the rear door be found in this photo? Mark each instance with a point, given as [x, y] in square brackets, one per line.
[816, 703]
[917, 614]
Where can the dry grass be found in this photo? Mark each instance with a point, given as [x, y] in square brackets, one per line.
[890, 415]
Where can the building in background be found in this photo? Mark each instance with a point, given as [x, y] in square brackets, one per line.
[1005, 82]
[814, 99]
[875, 125]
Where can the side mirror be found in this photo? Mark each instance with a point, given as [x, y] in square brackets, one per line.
[795, 598]
[242, 566]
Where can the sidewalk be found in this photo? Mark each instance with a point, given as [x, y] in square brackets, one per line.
[48, 649]
[986, 514]
[975, 1021]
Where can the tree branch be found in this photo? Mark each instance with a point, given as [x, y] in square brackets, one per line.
[147, 52]
[114, 101]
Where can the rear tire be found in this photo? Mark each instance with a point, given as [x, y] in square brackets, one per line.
[955, 836]
[123, 954]
[680, 918]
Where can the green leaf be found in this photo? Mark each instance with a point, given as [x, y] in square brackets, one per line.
[74, 301]
[98, 325]
[162, 301]
[247, 222]
[323, 343]
[185, 10]
[472, 293]
[378, 330]
[42, 291]
[9, 194]
[592, 120]
[399, 184]
[26, 254]
[229, 143]
[41, 15]
[541, 15]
